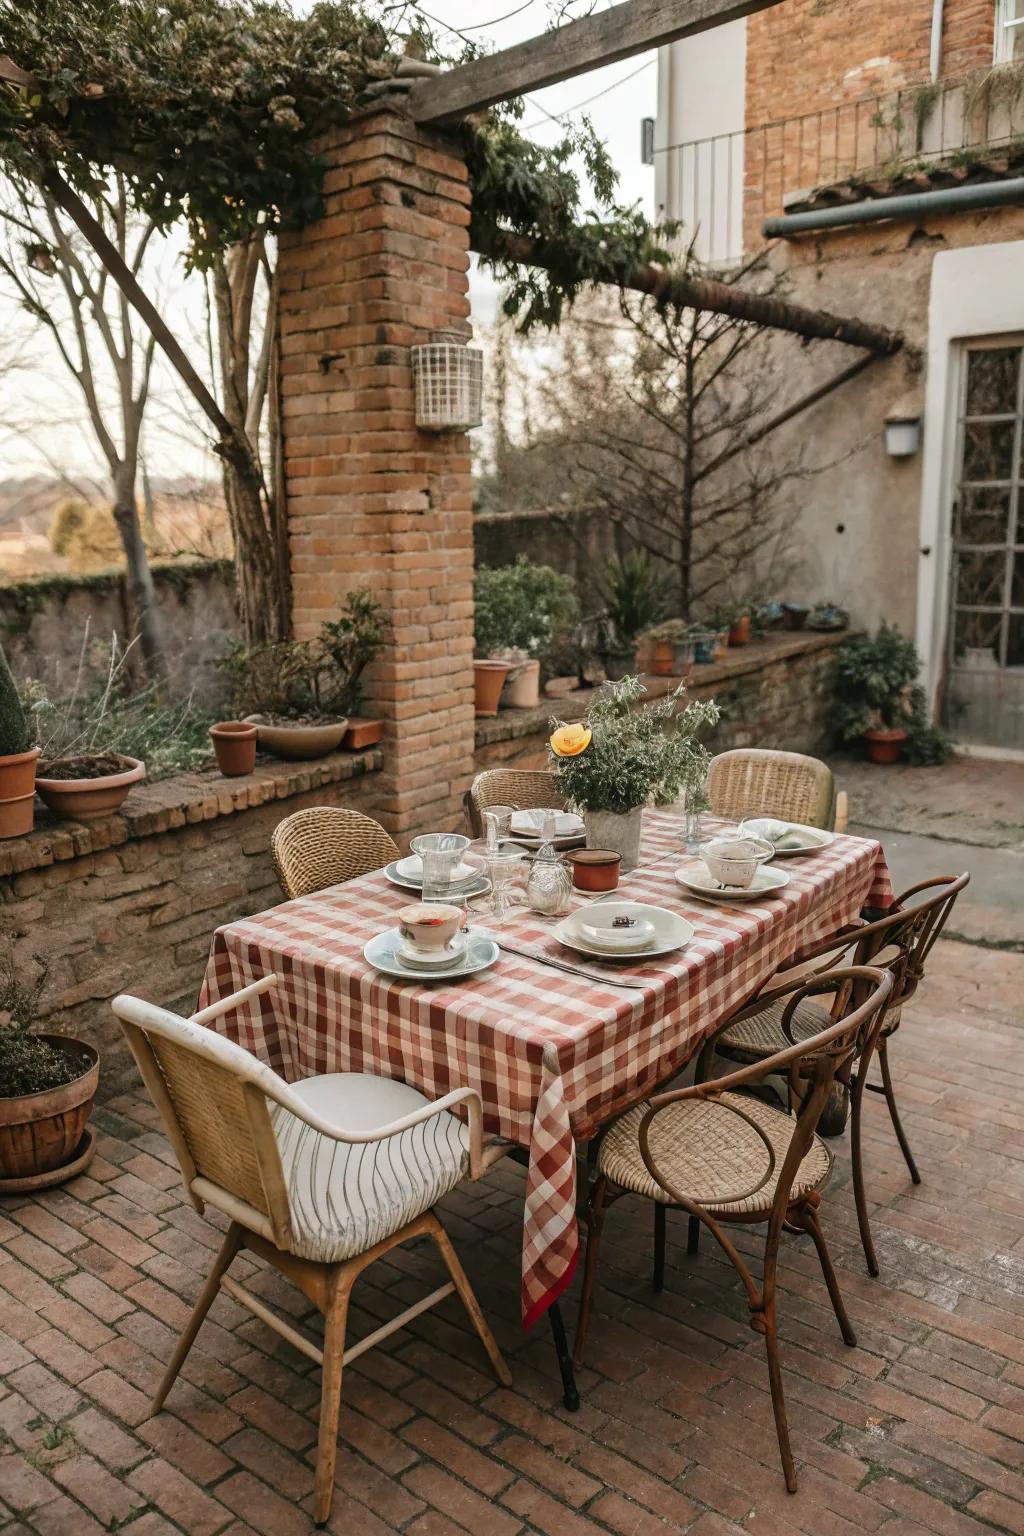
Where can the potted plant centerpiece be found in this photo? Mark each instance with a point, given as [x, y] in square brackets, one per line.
[880, 700]
[627, 754]
[635, 598]
[18, 757]
[670, 648]
[518, 610]
[47, 1085]
[300, 693]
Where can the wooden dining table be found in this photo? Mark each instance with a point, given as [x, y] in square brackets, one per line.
[554, 1053]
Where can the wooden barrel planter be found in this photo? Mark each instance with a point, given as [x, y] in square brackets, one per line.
[41, 1132]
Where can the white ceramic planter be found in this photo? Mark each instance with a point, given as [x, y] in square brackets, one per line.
[522, 687]
[620, 833]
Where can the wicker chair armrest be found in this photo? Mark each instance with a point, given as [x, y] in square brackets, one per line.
[731, 1197]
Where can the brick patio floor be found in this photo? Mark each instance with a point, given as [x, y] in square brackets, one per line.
[920, 1429]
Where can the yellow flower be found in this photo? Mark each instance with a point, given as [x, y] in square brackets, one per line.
[571, 740]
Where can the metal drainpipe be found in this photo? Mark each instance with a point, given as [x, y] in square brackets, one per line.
[986, 194]
[935, 58]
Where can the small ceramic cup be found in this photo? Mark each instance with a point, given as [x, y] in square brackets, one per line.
[429, 926]
[732, 860]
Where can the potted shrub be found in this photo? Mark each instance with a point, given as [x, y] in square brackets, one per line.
[670, 648]
[518, 611]
[18, 757]
[299, 693]
[635, 597]
[768, 614]
[828, 616]
[880, 700]
[623, 756]
[47, 1085]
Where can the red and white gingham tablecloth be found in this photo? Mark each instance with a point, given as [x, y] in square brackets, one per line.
[552, 1055]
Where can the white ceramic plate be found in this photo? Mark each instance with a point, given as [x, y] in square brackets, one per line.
[382, 952]
[531, 823]
[479, 885]
[411, 869]
[766, 882]
[671, 932]
[811, 838]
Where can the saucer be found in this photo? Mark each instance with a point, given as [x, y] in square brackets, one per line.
[383, 953]
[767, 882]
[431, 960]
[479, 885]
[410, 869]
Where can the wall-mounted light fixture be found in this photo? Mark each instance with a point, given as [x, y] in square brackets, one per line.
[903, 428]
[449, 379]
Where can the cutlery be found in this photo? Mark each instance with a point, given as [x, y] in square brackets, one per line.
[572, 970]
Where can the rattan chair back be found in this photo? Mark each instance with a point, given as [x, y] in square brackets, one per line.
[754, 782]
[524, 790]
[326, 845]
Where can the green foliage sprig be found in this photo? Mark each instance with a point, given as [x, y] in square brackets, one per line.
[308, 679]
[638, 752]
[15, 731]
[27, 1063]
[877, 687]
[521, 607]
[635, 597]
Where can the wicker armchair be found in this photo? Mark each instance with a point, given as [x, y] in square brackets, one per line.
[725, 1157]
[522, 789]
[901, 942]
[319, 1179]
[326, 845]
[752, 782]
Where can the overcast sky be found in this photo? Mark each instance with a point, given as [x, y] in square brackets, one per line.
[42, 424]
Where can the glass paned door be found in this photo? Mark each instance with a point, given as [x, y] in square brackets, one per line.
[1009, 30]
[984, 699]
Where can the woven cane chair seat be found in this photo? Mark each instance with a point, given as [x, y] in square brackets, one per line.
[762, 1034]
[754, 782]
[326, 845]
[710, 1154]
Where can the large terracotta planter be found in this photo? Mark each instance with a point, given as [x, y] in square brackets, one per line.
[41, 1131]
[488, 681]
[522, 686]
[617, 832]
[87, 798]
[17, 792]
[885, 746]
[301, 741]
[234, 742]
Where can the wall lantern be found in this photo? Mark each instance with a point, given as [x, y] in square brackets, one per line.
[903, 428]
[449, 380]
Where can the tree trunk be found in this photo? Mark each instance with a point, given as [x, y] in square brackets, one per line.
[141, 591]
[264, 599]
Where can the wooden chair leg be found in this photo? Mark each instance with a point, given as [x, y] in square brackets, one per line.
[469, 1301]
[857, 1158]
[659, 1245]
[335, 1320]
[207, 1296]
[693, 1235]
[890, 1099]
[771, 1339]
[595, 1223]
[811, 1222]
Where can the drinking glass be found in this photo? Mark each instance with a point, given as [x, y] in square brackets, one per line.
[497, 821]
[441, 854]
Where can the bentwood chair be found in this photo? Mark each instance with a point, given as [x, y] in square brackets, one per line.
[525, 790]
[725, 1157]
[318, 1178]
[901, 941]
[752, 782]
[326, 845]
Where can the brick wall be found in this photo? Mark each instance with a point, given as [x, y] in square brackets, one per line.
[370, 498]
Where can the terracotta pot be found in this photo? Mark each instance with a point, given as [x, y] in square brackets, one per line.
[17, 792]
[488, 681]
[663, 658]
[40, 1131]
[86, 799]
[234, 742]
[522, 687]
[594, 869]
[885, 746]
[739, 634]
[794, 615]
[721, 644]
[362, 733]
[301, 741]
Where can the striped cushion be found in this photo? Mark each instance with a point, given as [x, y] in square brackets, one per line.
[344, 1198]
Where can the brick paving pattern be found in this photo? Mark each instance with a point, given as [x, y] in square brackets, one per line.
[919, 1431]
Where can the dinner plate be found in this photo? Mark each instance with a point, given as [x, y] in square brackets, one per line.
[531, 824]
[671, 932]
[479, 885]
[766, 882]
[411, 870]
[811, 838]
[383, 953]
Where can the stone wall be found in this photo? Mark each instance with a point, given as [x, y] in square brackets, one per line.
[579, 543]
[43, 622]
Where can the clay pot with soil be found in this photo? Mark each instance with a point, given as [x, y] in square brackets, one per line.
[87, 786]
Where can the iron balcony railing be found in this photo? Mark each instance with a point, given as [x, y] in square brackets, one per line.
[722, 188]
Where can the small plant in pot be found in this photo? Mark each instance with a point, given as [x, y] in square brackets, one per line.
[635, 598]
[880, 700]
[300, 693]
[518, 610]
[627, 754]
[82, 774]
[670, 648]
[47, 1085]
[18, 758]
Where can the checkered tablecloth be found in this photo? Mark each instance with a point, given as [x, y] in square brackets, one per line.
[552, 1055]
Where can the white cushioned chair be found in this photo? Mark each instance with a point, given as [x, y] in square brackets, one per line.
[319, 1178]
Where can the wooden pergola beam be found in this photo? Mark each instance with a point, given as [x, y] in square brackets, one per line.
[685, 291]
[633, 26]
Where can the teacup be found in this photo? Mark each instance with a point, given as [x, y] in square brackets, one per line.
[429, 926]
[732, 860]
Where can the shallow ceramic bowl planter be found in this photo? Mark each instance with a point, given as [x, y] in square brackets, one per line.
[17, 792]
[488, 681]
[522, 686]
[234, 742]
[298, 742]
[617, 832]
[885, 746]
[41, 1133]
[89, 786]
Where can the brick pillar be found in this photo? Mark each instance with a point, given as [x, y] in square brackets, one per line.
[371, 500]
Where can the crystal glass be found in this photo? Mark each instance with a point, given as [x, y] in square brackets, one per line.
[497, 821]
[549, 884]
[695, 802]
[441, 853]
[503, 865]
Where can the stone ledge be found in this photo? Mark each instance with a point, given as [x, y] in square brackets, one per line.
[178, 802]
[740, 661]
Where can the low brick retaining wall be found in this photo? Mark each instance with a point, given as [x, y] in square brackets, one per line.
[129, 902]
[776, 692]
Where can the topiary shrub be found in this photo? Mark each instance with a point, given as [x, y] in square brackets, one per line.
[15, 731]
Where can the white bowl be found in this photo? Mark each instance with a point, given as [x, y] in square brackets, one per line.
[617, 932]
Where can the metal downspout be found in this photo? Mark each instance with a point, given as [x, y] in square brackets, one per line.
[986, 194]
[935, 55]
